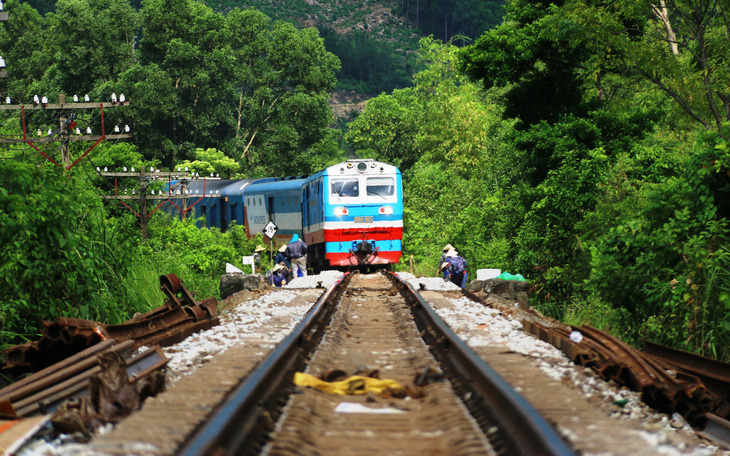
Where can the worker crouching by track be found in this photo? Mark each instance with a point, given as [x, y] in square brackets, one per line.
[454, 268]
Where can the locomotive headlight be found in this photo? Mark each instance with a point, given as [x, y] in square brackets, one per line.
[362, 167]
[340, 211]
[385, 210]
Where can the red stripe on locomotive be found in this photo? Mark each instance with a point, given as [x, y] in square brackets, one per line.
[346, 259]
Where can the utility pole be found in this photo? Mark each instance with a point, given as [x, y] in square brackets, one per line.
[144, 182]
[4, 17]
[66, 125]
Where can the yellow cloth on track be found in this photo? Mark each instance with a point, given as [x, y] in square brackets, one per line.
[352, 385]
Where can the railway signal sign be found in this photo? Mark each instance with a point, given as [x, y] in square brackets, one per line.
[270, 229]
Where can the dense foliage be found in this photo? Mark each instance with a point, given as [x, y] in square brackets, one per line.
[66, 253]
[625, 206]
[450, 19]
[581, 144]
[377, 41]
[254, 89]
[609, 187]
[229, 94]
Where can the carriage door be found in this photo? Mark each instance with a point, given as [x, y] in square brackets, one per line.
[223, 211]
[305, 206]
[271, 209]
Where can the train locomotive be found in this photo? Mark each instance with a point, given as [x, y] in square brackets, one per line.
[349, 214]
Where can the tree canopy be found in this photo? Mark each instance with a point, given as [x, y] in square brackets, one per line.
[253, 88]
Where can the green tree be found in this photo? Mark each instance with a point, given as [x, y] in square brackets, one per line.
[92, 43]
[539, 71]
[210, 161]
[283, 99]
[237, 83]
[450, 142]
[387, 129]
[24, 47]
[679, 47]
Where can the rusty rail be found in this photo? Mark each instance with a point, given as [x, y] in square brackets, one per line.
[231, 426]
[661, 384]
[170, 323]
[521, 429]
[44, 391]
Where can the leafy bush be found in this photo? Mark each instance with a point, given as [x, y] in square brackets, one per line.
[197, 255]
[669, 253]
[62, 258]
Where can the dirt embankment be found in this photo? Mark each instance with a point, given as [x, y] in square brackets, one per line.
[347, 104]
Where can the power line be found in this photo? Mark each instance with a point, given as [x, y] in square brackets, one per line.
[63, 133]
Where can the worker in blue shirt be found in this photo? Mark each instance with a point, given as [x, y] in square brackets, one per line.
[278, 276]
[454, 269]
[296, 251]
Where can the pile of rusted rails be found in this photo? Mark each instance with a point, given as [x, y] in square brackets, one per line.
[256, 403]
[168, 324]
[520, 429]
[664, 389]
[44, 391]
[713, 373]
[57, 341]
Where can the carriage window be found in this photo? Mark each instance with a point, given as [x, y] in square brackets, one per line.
[282, 200]
[260, 203]
[288, 200]
[380, 186]
[345, 187]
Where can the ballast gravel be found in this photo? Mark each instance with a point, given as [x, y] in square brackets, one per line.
[251, 319]
[244, 321]
[247, 320]
[670, 435]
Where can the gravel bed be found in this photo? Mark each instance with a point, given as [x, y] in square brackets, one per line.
[428, 283]
[250, 319]
[326, 278]
[670, 435]
[246, 321]
[237, 325]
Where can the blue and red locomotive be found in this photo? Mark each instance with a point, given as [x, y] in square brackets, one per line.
[350, 214]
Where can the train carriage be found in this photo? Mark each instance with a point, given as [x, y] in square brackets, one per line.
[278, 201]
[349, 214]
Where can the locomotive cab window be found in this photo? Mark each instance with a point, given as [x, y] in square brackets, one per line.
[345, 187]
[380, 186]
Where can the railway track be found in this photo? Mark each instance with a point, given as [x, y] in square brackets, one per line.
[372, 327]
[359, 325]
[450, 399]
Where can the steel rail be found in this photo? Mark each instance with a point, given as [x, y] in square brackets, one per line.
[520, 427]
[231, 425]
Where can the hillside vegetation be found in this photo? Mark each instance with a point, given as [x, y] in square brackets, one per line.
[377, 41]
[583, 145]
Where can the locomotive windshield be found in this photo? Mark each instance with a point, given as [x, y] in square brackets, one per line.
[380, 186]
[345, 187]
